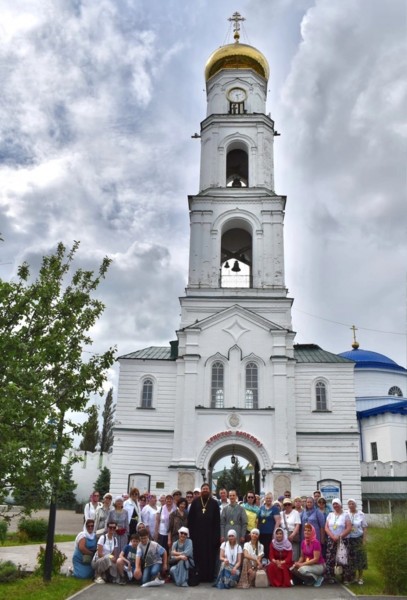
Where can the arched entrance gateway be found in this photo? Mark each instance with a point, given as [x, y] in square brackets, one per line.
[231, 443]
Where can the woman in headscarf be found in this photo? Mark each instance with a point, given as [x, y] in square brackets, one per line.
[253, 553]
[281, 559]
[312, 515]
[310, 567]
[230, 562]
[85, 547]
[337, 527]
[119, 516]
[182, 553]
[357, 559]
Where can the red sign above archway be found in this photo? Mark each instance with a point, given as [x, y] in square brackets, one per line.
[234, 434]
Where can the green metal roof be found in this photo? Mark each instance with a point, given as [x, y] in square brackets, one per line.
[311, 353]
[151, 353]
[303, 353]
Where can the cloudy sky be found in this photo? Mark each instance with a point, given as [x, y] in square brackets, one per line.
[99, 99]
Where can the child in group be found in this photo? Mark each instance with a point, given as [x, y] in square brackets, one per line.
[127, 559]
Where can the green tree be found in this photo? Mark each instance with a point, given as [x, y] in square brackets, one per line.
[102, 483]
[67, 487]
[106, 438]
[224, 481]
[233, 479]
[45, 381]
[90, 431]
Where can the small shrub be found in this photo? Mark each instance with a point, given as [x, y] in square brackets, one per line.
[389, 550]
[8, 571]
[3, 531]
[32, 529]
[58, 559]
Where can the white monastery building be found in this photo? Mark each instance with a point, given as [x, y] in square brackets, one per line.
[234, 381]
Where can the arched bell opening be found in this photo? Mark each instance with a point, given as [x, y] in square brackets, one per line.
[237, 167]
[236, 258]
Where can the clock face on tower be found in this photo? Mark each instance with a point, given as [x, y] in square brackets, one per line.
[237, 95]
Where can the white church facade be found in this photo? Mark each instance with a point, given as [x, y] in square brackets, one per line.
[234, 381]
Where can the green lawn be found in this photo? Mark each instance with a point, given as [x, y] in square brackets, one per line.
[374, 584]
[34, 588]
[12, 540]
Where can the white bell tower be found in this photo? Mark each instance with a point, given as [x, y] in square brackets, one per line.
[236, 243]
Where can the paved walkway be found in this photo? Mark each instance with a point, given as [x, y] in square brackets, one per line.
[206, 592]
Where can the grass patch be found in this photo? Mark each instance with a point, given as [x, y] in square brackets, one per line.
[13, 540]
[34, 588]
[374, 581]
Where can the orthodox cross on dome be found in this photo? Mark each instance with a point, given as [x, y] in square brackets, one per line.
[355, 344]
[236, 17]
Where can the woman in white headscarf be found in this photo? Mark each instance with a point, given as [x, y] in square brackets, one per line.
[357, 558]
[231, 560]
[337, 528]
[85, 547]
[182, 555]
[253, 553]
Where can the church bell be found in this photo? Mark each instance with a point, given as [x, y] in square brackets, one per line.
[236, 267]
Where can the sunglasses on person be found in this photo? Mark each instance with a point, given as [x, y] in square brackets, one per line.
[250, 497]
[182, 533]
[112, 527]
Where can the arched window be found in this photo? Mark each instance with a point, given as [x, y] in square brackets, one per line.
[395, 391]
[237, 168]
[236, 257]
[320, 396]
[147, 394]
[252, 386]
[217, 385]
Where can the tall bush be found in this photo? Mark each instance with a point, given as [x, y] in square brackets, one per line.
[389, 550]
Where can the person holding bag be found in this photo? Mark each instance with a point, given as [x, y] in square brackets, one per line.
[337, 528]
[291, 523]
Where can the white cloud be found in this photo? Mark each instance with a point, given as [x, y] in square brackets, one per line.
[100, 98]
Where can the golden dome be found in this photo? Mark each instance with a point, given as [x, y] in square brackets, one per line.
[237, 56]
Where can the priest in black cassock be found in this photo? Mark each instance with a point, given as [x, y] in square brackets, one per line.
[204, 531]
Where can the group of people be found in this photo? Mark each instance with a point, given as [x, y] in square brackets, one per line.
[226, 542]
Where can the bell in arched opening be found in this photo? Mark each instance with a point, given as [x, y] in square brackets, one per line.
[236, 267]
